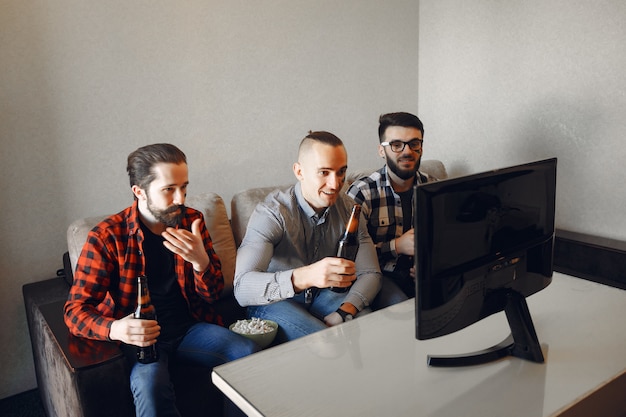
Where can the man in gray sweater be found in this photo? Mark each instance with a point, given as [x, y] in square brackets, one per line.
[286, 263]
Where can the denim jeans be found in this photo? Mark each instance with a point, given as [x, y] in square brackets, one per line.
[204, 345]
[295, 318]
[391, 292]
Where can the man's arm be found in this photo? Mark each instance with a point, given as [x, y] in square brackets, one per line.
[253, 284]
[89, 289]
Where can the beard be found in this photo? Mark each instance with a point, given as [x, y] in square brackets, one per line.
[404, 174]
[168, 216]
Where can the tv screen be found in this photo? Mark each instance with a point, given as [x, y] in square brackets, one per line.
[483, 243]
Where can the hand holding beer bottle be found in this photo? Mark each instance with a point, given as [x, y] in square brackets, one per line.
[348, 244]
[145, 310]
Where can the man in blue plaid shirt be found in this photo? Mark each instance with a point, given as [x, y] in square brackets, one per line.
[386, 197]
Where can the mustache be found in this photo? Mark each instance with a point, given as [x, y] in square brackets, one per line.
[174, 208]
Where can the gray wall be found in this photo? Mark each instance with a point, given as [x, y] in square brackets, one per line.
[236, 84]
[506, 82]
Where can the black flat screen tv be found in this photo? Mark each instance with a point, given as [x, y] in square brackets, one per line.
[483, 243]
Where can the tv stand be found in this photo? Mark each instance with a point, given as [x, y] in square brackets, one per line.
[521, 343]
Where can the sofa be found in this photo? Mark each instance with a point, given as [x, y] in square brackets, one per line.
[86, 378]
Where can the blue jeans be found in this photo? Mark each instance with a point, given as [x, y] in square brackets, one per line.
[295, 318]
[391, 292]
[205, 345]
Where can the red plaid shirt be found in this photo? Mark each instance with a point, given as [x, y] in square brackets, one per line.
[105, 280]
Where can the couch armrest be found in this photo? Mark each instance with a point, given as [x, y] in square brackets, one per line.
[78, 353]
[71, 379]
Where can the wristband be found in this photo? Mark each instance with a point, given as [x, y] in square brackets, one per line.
[345, 316]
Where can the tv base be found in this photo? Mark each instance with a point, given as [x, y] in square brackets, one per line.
[521, 343]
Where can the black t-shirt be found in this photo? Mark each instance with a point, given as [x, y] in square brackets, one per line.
[405, 262]
[171, 308]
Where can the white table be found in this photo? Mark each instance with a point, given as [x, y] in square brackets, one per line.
[374, 366]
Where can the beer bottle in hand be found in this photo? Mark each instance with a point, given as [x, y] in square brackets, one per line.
[145, 310]
[349, 243]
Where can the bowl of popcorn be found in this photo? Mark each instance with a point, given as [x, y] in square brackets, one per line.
[259, 330]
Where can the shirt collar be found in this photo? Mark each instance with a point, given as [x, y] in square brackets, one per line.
[133, 222]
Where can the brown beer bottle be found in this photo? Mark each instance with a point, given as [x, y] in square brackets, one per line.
[145, 310]
[349, 243]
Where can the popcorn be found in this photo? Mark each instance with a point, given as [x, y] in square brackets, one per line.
[253, 326]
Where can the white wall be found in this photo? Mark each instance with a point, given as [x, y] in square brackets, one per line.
[506, 82]
[236, 84]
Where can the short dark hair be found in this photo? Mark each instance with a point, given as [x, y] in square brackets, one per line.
[141, 162]
[402, 119]
[321, 136]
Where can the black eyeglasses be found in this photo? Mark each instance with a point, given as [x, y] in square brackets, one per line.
[398, 146]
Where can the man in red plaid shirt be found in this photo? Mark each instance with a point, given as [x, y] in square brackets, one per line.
[159, 237]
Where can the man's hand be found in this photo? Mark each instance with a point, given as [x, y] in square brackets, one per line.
[138, 332]
[327, 272]
[405, 244]
[188, 245]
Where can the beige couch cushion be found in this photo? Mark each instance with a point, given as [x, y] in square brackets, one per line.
[243, 203]
[215, 217]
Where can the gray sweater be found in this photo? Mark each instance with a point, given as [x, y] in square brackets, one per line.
[285, 233]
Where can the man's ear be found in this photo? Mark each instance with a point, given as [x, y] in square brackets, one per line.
[381, 151]
[297, 171]
[139, 192]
